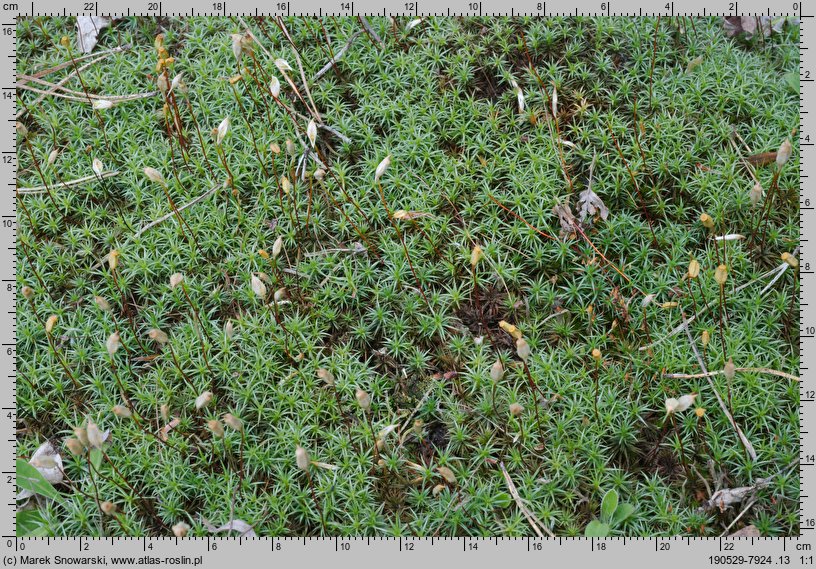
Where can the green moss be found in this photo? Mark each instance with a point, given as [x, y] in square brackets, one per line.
[439, 100]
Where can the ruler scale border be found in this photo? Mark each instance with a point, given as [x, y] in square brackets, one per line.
[404, 551]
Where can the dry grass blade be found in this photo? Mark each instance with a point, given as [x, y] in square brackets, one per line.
[749, 448]
[81, 98]
[780, 270]
[167, 216]
[58, 86]
[370, 31]
[743, 369]
[327, 128]
[313, 108]
[679, 328]
[99, 57]
[534, 522]
[337, 56]
[69, 183]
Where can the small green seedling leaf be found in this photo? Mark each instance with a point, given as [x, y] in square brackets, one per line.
[96, 458]
[29, 478]
[502, 500]
[624, 511]
[30, 523]
[596, 528]
[608, 505]
[792, 80]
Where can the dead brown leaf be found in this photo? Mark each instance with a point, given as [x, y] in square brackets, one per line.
[88, 30]
[728, 497]
[747, 531]
[165, 432]
[240, 526]
[762, 159]
[748, 25]
[48, 462]
[591, 205]
[409, 215]
[566, 219]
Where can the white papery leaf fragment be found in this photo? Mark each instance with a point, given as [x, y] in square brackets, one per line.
[48, 462]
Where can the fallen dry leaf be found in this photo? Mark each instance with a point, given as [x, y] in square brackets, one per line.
[748, 25]
[728, 497]
[409, 215]
[88, 30]
[747, 531]
[565, 218]
[591, 205]
[762, 159]
[447, 474]
[325, 465]
[240, 526]
[165, 432]
[694, 64]
[48, 462]
[752, 25]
